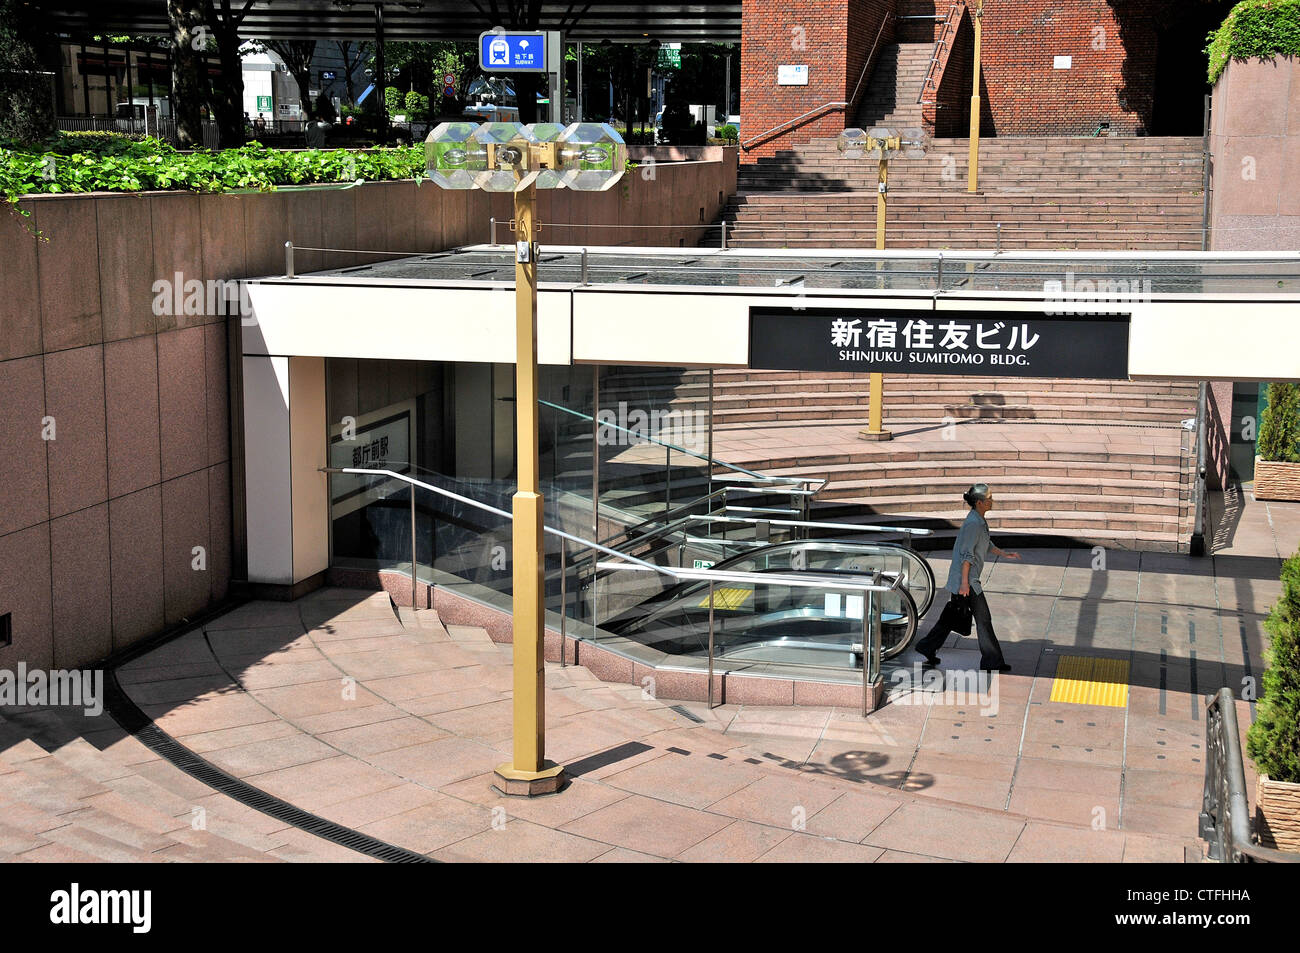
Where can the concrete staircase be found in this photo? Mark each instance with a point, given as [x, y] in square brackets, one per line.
[1099, 462]
[1047, 194]
[1044, 222]
[1036, 194]
[1033, 164]
[895, 87]
[75, 789]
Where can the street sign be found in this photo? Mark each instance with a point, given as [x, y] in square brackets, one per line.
[792, 75]
[512, 52]
[449, 79]
[449, 91]
[669, 58]
[264, 104]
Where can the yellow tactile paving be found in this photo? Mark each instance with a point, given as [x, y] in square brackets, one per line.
[1082, 680]
[728, 598]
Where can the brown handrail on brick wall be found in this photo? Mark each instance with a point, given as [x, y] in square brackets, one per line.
[845, 105]
[950, 24]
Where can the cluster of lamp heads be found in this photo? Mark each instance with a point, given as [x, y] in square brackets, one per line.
[510, 157]
[880, 142]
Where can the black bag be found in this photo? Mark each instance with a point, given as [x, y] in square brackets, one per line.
[957, 614]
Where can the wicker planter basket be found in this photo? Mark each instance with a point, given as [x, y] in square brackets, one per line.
[1277, 481]
[1277, 813]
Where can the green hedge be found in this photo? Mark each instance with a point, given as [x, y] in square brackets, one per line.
[1279, 426]
[1273, 740]
[111, 163]
[1255, 28]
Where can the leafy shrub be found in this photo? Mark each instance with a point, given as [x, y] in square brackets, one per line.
[393, 99]
[417, 106]
[1279, 425]
[72, 163]
[1273, 741]
[728, 133]
[1255, 28]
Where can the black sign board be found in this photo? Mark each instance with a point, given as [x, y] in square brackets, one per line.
[973, 343]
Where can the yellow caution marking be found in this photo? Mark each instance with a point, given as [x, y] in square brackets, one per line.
[729, 598]
[1082, 680]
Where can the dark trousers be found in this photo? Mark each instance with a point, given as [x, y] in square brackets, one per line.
[990, 650]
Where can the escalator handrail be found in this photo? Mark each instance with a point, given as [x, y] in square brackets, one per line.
[631, 562]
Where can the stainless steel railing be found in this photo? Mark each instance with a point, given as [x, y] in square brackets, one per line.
[1225, 817]
[871, 646]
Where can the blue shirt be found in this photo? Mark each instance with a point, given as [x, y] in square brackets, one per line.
[971, 547]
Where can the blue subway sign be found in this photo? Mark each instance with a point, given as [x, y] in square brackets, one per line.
[512, 52]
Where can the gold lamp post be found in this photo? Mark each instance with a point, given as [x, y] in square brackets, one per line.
[973, 173]
[880, 144]
[508, 157]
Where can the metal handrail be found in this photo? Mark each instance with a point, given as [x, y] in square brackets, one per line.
[889, 17]
[662, 443]
[672, 518]
[835, 104]
[803, 580]
[949, 27]
[1225, 817]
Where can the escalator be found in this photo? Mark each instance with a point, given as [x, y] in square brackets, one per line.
[781, 623]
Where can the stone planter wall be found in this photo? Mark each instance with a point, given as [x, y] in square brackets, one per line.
[121, 526]
[1277, 481]
[1277, 813]
[1255, 147]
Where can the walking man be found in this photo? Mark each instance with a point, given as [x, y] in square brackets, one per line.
[968, 554]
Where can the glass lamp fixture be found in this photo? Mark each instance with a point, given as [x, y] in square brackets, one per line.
[852, 143]
[453, 158]
[592, 156]
[508, 157]
[916, 142]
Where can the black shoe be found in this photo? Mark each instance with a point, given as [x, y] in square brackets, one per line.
[931, 661]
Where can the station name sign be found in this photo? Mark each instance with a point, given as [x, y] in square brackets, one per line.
[973, 343]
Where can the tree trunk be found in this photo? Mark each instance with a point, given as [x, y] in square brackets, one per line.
[189, 86]
[228, 95]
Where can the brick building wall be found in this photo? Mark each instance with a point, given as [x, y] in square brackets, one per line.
[832, 37]
[1112, 45]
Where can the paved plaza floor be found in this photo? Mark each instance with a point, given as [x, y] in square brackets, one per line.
[390, 722]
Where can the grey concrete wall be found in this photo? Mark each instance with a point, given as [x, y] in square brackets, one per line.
[1255, 142]
[98, 526]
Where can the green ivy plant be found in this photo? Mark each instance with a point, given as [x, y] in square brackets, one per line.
[106, 162]
[1255, 28]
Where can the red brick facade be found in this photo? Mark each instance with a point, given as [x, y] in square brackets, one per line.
[1112, 46]
[1111, 77]
[831, 37]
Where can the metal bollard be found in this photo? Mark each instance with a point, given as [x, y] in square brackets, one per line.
[288, 259]
[493, 235]
[724, 235]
